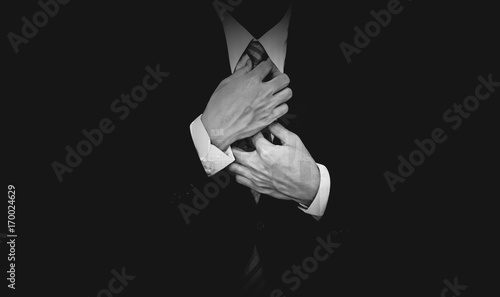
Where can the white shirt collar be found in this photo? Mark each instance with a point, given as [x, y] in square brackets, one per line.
[274, 41]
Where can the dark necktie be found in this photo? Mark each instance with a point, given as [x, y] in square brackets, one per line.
[256, 52]
[252, 281]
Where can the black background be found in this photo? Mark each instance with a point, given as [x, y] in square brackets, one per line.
[113, 211]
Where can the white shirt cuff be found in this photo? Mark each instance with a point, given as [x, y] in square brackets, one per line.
[211, 157]
[318, 206]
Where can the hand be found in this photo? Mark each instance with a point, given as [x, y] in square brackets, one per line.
[284, 171]
[243, 104]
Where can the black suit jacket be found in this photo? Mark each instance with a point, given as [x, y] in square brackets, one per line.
[231, 221]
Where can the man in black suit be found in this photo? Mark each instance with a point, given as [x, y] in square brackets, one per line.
[270, 209]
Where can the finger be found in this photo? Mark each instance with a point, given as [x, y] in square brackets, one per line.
[247, 67]
[280, 82]
[263, 69]
[263, 190]
[279, 195]
[240, 170]
[259, 141]
[282, 96]
[246, 182]
[241, 156]
[272, 74]
[283, 134]
[279, 111]
[275, 71]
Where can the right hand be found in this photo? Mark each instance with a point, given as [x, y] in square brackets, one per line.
[243, 104]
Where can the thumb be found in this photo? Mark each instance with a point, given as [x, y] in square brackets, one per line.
[283, 134]
[242, 156]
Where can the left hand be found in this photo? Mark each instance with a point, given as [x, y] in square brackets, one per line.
[284, 171]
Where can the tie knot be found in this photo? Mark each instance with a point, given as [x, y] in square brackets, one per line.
[256, 52]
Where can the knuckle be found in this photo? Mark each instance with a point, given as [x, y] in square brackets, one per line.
[286, 93]
[235, 169]
[265, 191]
[265, 154]
[259, 183]
[271, 120]
[251, 81]
[239, 179]
[284, 110]
[285, 78]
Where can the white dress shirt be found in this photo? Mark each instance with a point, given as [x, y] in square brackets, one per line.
[274, 42]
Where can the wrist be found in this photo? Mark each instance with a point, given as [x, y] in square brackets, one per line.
[218, 137]
[312, 186]
[221, 143]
